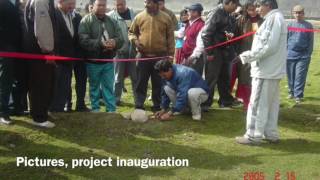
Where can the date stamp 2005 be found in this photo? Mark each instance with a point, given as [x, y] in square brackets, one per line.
[258, 175]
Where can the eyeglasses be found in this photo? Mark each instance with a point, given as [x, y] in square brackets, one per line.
[298, 12]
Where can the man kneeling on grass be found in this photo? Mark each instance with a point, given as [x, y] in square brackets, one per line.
[183, 87]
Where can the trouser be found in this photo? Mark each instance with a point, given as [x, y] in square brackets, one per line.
[198, 64]
[101, 76]
[120, 70]
[196, 96]
[263, 110]
[41, 84]
[6, 80]
[146, 69]
[218, 72]
[20, 86]
[62, 86]
[297, 74]
[80, 73]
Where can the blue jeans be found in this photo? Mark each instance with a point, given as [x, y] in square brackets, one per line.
[297, 74]
[101, 75]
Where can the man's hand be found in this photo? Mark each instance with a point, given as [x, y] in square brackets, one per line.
[229, 35]
[139, 46]
[159, 113]
[236, 60]
[166, 116]
[110, 44]
[51, 62]
[210, 58]
[170, 58]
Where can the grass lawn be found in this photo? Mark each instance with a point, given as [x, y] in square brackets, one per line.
[209, 145]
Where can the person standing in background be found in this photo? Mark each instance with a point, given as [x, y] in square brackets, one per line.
[153, 35]
[219, 28]
[248, 22]
[41, 39]
[300, 48]
[10, 41]
[173, 17]
[179, 35]
[66, 47]
[101, 37]
[194, 26]
[268, 66]
[124, 17]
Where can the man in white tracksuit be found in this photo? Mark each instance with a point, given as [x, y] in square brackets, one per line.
[268, 66]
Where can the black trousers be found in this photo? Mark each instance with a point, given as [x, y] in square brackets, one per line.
[80, 73]
[62, 86]
[218, 72]
[145, 70]
[41, 83]
[6, 80]
[20, 86]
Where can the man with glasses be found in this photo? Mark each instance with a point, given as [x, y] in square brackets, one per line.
[300, 47]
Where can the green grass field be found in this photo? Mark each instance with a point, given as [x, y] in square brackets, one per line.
[209, 145]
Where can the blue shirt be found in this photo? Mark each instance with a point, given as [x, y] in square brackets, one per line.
[300, 44]
[184, 78]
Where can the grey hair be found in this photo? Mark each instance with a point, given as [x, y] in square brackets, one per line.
[272, 3]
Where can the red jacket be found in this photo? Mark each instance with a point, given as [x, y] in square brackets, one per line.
[191, 34]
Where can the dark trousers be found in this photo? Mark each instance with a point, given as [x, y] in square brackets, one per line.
[62, 86]
[6, 80]
[145, 69]
[41, 83]
[20, 86]
[297, 71]
[218, 72]
[80, 74]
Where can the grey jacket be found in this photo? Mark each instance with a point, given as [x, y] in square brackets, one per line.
[127, 47]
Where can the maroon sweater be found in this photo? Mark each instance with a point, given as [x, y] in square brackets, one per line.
[191, 34]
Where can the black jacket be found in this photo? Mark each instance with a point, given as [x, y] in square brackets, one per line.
[68, 45]
[217, 22]
[10, 26]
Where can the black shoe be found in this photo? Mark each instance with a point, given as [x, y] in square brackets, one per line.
[155, 108]
[83, 109]
[223, 106]
[68, 110]
[205, 108]
[139, 107]
[124, 90]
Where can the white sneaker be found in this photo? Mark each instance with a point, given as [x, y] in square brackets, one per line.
[196, 117]
[46, 124]
[5, 121]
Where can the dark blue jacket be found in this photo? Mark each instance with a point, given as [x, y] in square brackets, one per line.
[184, 78]
[300, 44]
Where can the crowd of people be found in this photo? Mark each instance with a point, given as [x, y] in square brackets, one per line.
[178, 57]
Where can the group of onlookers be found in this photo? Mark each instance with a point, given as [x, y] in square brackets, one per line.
[120, 43]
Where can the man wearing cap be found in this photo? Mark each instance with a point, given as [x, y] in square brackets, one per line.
[192, 30]
[268, 66]
[173, 17]
[300, 47]
[153, 35]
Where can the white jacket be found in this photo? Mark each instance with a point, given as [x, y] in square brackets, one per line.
[269, 48]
